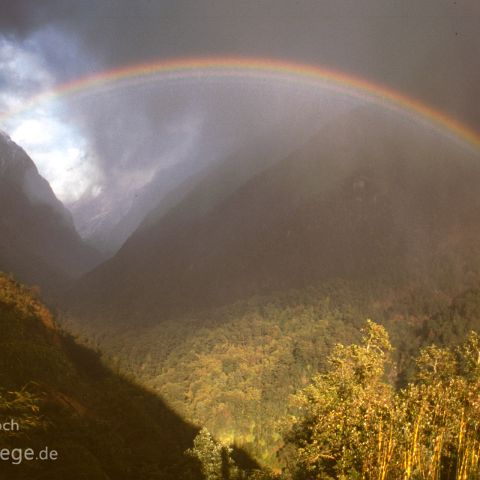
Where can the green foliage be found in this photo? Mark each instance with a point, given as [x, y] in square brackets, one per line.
[217, 463]
[215, 458]
[233, 368]
[346, 413]
[350, 423]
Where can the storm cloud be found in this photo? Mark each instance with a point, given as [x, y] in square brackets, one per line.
[403, 44]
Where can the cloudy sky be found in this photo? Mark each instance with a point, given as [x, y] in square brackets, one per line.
[105, 144]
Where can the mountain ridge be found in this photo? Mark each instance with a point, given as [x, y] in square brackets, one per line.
[39, 242]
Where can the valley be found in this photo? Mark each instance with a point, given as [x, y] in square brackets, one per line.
[230, 299]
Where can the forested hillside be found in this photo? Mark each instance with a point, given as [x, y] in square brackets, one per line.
[233, 369]
[64, 399]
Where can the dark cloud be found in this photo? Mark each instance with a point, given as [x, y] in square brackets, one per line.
[15, 18]
[406, 45]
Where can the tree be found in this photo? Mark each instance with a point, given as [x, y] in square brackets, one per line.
[351, 424]
[215, 458]
[344, 424]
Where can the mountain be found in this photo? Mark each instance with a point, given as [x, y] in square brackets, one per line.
[106, 221]
[38, 241]
[370, 196]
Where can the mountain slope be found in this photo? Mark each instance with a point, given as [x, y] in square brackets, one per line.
[38, 241]
[61, 397]
[370, 196]
[106, 221]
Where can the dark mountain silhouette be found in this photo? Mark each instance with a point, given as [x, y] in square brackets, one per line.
[101, 425]
[370, 196]
[38, 242]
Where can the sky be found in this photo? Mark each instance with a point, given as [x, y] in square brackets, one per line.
[107, 145]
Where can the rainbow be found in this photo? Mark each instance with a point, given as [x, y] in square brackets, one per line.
[257, 68]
